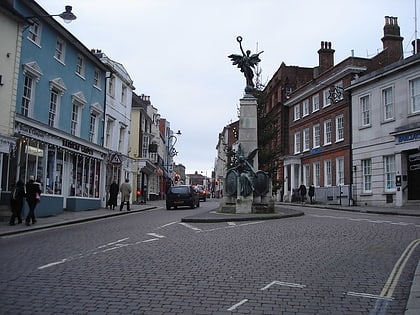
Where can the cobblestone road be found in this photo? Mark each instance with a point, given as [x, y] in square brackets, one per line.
[151, 263]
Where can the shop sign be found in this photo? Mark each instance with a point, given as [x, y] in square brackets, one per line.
[77, 147]
[409, 137]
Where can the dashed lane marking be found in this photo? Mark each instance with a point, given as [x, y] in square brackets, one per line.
[285, 284]
[233, 307]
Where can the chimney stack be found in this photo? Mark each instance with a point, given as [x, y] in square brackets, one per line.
[416, 46]
[326, 57]
[392, 41]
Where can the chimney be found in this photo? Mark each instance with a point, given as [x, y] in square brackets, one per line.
[392, 41]
[326, 56]
[416, 46]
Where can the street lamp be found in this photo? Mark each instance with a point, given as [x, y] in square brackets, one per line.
[172, 152]
[66, 15]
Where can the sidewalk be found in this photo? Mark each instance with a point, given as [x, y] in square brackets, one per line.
[283, 210]
[71, 217]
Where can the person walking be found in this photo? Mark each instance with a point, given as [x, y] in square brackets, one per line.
[113, 194]
[311, 192]
[302, 190]
[33, 194]
[16, 202]
[125, 194]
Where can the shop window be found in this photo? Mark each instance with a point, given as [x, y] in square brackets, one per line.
[85, 177]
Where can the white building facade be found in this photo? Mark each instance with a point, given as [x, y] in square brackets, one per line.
[386, 135]
[119, 91]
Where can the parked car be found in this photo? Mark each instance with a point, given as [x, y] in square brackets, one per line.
[182, 195]
[202, 192]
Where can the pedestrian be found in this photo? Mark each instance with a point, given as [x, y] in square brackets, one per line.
[311, 192]
[33, 195]
[125, 194]
[16, 202]
[113, 194]
[302, 190]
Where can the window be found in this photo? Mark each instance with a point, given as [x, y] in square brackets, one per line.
[415, 95]
[339, 128]
[52, 121]
[111, 86]
[388, 104]
[306, 139]
[317, 173]
[123, 94]
[35, 32]
[80, 66]
[340, 171]
[306, 175]
[121, 139]
[328, 173]
[96, 79]
[326, 97]
[365, 111]
[74, 120]
[327, 132]
[296, 112]
[305, 108]
[108, 134]
[297, 142]
[27, 95]
[336, 92]
[315, 103]
[78, 101]
[145, 149]
[317, 136]
[59, 50]
[389, 168]
[92, 128]
[367, 176]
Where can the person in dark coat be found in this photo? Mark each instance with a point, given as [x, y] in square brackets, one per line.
[16, 202]
[113, 194]
[33, 194]
[302, 191]
[311, 192]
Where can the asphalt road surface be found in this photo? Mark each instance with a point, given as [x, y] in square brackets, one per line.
[325, 262]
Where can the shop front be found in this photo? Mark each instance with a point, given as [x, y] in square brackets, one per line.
[69, 170]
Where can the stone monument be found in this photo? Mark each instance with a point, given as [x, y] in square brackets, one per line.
[247, 189]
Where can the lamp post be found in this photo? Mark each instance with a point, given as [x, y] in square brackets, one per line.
[171, 151]
[172, 139]
[66, 15]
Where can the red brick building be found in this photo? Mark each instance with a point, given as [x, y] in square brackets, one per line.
[314, 118]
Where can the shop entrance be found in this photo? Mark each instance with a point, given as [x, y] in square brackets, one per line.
[413, 172]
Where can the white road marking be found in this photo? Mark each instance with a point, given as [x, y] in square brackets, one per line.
[237, 305]
[156, 235]
[285, 284]
[190, 226]
[364, 220]
[370, 296]
[113, 243]
[231, 223]
[149, 240]
[165, 225]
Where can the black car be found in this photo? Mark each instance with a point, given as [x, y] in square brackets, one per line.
[182, 195]
[202, 192]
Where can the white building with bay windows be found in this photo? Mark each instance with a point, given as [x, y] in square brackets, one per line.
[117, 122]
[386, 135]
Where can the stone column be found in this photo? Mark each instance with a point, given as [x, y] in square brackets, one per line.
[248, 139]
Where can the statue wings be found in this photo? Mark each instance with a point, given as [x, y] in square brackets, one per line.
[245, 61]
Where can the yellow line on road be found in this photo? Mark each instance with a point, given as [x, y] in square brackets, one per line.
[393, 278]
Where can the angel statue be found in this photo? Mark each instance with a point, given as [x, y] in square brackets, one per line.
[244, 171]
[246, 63]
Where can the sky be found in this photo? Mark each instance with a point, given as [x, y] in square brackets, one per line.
[176, 50]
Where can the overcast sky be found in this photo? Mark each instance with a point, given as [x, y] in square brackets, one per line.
[176, 50]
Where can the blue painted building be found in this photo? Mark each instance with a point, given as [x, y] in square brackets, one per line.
[59, 119]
